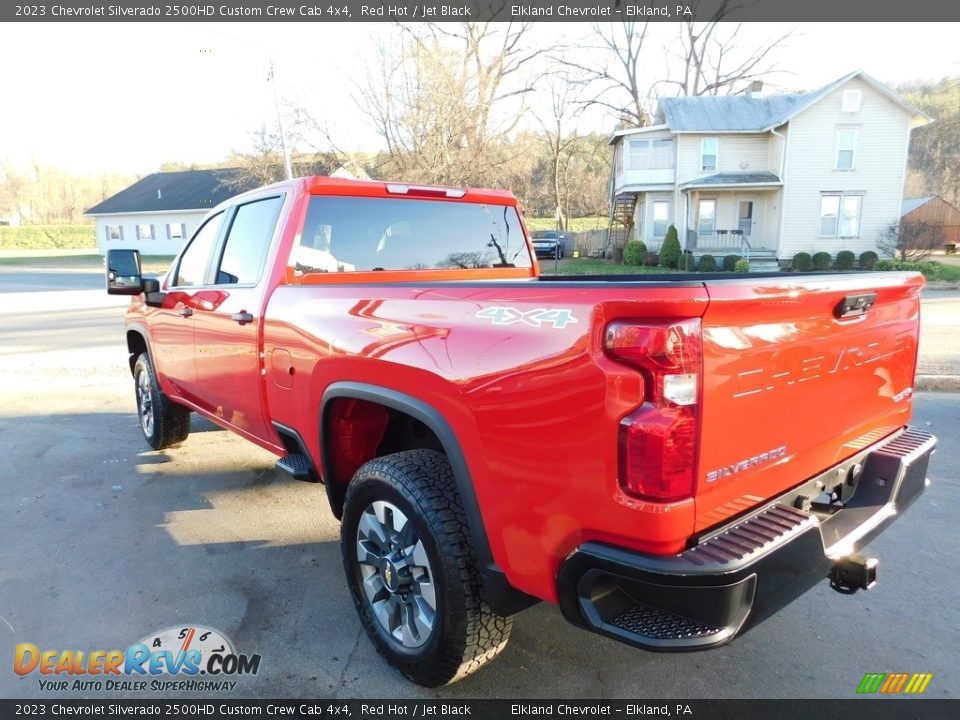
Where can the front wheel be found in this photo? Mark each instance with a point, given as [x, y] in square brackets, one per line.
[163, 422]
[412, 572]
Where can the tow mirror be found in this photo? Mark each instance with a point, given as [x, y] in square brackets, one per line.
[123, 272]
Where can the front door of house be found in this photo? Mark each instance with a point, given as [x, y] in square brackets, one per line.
[746, 221]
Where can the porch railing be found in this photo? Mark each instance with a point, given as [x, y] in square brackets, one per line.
[733, 240]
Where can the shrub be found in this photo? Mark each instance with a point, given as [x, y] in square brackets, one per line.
[670, 252]
[634, 252]
[708, 263]
[652, 259]
[868, 259]
[845, 260]
[931, 270]
[742, 266]
[802, 262]
[821, 260]
[730, 262]
[687, 261]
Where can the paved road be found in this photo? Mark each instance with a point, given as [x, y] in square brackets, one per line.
[103, 541]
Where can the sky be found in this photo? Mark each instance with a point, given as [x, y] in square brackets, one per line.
[126, 97]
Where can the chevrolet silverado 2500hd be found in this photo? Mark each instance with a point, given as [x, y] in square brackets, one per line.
[670, 459]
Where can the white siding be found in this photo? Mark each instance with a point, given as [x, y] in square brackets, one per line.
[737, 153]
[160, 245]
[632, 179]
[884, 130]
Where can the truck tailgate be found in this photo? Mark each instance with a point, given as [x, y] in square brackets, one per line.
[791, 388]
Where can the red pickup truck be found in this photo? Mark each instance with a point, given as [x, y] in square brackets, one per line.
[670, 458]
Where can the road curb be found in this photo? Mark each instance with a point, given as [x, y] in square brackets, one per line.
[942, 383]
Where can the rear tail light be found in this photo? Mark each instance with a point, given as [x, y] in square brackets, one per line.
[658, 441]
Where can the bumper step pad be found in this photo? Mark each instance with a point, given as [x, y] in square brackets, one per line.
[649, 622]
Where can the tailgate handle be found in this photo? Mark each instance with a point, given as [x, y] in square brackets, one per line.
[855, 305]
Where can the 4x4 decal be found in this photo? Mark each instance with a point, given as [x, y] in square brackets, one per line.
[553, 317]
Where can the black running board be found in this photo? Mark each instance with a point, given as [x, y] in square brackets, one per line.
[297, 466]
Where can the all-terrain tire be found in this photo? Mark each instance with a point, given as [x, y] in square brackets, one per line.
[163, 422]
[465, 634]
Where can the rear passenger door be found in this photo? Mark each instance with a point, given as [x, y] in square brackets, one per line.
[227, 319]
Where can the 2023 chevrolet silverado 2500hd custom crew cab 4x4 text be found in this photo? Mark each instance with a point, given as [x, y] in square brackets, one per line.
[716, 446]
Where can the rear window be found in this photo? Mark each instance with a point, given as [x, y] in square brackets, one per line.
[344, 234]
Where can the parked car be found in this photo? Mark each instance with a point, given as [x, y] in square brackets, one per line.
[725, 443]
[548, 243]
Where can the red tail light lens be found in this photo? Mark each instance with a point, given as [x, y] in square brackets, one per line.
[658, 441]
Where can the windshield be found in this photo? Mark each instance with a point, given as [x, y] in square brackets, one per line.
[343, 234]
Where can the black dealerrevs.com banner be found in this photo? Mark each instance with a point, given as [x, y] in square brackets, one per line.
[482, 10]
[913, 709]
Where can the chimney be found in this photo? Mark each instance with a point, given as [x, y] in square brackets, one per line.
[756, 89]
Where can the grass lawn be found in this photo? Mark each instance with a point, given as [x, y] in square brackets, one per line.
[593, 266]
[949, 272]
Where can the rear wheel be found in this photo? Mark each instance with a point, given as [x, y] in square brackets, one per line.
[412, 571]
[164, 423]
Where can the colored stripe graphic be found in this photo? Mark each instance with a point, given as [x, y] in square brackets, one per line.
[895, 683]
[871, 682]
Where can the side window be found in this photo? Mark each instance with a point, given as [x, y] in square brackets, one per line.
[247, 242]
[193, 262]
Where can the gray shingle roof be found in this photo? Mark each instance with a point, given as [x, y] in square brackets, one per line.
[744, 178]
[743, 113]
[729, 113]
[183, 190]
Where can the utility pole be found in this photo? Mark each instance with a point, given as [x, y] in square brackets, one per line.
[283, 137]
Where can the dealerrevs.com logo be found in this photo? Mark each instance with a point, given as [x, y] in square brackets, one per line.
[192, 658]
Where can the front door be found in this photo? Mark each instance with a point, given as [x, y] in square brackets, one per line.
[172, 324]
[746, 219]
[227, 318]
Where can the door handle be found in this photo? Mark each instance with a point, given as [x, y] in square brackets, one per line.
[242, 317]
[185, 312]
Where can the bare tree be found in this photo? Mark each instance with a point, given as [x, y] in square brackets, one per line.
[713, 59]
[263, 162]
[709, 58]
[910, 241]
[616, 82]
[433, 97]
[563, 142]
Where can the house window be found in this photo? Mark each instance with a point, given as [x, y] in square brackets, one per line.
[661, 218]
[709, 148]
[851, 101]
[706, 218]
[846, 148]
[145, 232]
[176, 231]
[114, 232]
[649, 154]
[840, 214]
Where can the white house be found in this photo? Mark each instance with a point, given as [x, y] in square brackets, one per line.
[767, 176]
[158, 213]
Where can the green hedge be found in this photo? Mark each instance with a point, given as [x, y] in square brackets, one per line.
[931, 270]
[845, 260]
[634, 252]
[802, 262]
[708, 263]
[742, 266]
[821, 260]
[48, 237]
[730, 262]
[868, 259]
